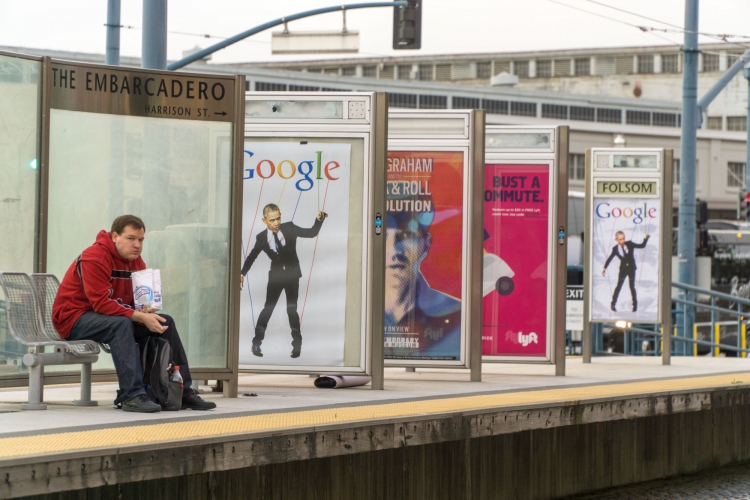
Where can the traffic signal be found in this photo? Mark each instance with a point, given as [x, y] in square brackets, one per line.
[742, 204]
[407, 26]
[701, 212]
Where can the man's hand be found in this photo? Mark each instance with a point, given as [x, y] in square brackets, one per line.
[604, 272]
[645, 237]
[150, 320]
[322, 215]
[242, 281]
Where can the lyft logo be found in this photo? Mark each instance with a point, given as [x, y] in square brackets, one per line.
[525, 340]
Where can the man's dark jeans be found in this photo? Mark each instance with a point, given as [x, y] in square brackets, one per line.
[122, 335]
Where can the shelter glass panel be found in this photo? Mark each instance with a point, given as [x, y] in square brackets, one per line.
[175, 175]
[20, 103]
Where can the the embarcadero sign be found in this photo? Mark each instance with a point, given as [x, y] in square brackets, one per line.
[141, 92]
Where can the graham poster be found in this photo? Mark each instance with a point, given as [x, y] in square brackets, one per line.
[625, 259]
[295, 234]
[424, 250]
[515, 262]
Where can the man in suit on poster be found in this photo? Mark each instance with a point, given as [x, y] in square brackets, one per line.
[279, 242]
[623, 250]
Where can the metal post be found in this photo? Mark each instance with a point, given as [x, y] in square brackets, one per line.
[154, 41]
[85, 387]
[113, 33]
[747, 154]
[686, 224]
[36, 373]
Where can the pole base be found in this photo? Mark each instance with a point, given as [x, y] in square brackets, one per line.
[78, 402]
[33, 406]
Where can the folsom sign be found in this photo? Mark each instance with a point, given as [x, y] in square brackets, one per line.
[153, 94]
[626, 187]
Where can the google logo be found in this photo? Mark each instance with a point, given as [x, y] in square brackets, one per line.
[604, 211]
[286, 169]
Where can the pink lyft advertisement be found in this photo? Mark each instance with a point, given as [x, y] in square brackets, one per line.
[515, 262]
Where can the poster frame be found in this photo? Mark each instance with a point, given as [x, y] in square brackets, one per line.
[373, 131]
[662, 175]
[452, 130]
[556, 156]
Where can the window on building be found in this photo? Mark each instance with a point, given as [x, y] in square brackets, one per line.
[396, 100]
[710, 62]
[387, 72]
[609, 115]
[465, 103]
[495, 107]
[314, 70]
[670, 63]
[737, 123]
[500, 67]
[523, 108]
[425, 72]
[370, 71]
[521, 69]
[443, 72]
[484, 69]
[732, 57]
[562, 67]
[583, 113]
[736, 174]
[633, 117]
[544, 68]
[583, 66]
[624, 65]
[664, 119]
[303, 88]
[714, 123]
[270, 87]
[646, 63]
[348, 71]
[555, 111]
[676, 170]
[330, 71]
[604, 65]
[576, 167]
[404, 71]
[433, 102]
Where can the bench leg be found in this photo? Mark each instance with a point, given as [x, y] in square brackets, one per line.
[36, 374]
[85, 387]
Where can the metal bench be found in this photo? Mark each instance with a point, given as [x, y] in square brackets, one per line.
[28, 303]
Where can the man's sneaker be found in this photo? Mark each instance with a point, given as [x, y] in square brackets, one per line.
[141, 404]
[191, 400]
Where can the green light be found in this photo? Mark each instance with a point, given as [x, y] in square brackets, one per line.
[32, 164]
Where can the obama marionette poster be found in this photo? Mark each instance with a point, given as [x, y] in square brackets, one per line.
[295, 233]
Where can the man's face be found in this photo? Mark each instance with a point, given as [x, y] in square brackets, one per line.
[273, 220]
[620, 239]
[129, 244]
[404, 252]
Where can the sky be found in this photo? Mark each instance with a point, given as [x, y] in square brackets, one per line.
[449, 26]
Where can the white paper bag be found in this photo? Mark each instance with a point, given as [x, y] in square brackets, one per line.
[147, 289]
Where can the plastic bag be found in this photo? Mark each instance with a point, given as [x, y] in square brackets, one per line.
[147, 290]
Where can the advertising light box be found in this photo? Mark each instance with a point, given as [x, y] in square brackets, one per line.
[312, 239]
[433, 166]
[523, 244]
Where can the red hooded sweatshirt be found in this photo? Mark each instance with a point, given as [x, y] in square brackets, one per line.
[98, 280]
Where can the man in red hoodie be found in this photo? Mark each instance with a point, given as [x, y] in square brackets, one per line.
[95, 302]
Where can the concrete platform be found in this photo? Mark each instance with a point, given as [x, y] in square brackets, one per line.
[67, 447]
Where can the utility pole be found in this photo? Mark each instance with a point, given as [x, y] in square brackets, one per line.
[686, 215]
[747, 146]
[113, 33]
[154, 42]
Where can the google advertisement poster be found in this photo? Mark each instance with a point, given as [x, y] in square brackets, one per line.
[625, 259]
[515, 262]
[424, 255]
[292, 308]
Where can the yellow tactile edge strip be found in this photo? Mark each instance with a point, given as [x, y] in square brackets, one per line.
[154, 433]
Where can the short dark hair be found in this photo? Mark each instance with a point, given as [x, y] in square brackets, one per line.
[270, 208]
[123, 221]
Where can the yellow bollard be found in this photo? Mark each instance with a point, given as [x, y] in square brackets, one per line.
[717, 339]
[743, 339]
[695, 337]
